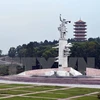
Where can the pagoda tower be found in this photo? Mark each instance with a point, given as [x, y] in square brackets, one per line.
[80, 30]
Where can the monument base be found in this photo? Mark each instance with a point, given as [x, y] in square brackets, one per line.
[58, 72]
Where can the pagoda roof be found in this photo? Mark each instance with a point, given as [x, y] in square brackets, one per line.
[80, 21]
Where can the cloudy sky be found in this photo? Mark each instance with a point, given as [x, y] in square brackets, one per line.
[22, 21]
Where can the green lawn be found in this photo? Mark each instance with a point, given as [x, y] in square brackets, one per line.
[12, 92]
[2, 95]
[25, 98]
[52, 87]
[77, 91]
[48, 95]
[92, 97]
[66, 93]
[40, 88]
[3, 86]
[14, 85]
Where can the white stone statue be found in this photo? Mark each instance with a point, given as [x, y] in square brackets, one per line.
[62, 27]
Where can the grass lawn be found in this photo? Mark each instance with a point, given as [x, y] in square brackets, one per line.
[66, 93]
[12, 92]
[92, 97]
[78, 91]
[48, 95]
[34, 89]
[13, 85]
[3, 86]
[25, 98]
[2, 95]
[52, 87]
[40, 88]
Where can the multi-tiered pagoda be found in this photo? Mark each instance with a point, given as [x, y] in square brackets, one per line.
[80, 30]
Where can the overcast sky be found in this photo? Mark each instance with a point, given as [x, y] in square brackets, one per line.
[22, 21]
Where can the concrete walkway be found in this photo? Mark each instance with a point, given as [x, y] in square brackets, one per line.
[51, 84]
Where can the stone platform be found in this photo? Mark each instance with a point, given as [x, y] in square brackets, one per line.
[55, 80]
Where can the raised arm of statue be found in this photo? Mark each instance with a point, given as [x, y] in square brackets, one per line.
[67, 21]
[60, 18]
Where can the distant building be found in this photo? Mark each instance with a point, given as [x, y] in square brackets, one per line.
[80, 30]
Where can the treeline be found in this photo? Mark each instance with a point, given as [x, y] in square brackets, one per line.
[34, 49]
[89, 48]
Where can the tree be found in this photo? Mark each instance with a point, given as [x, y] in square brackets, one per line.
[18, 51]
[0, 52]
[12, 52]
[45, 42]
